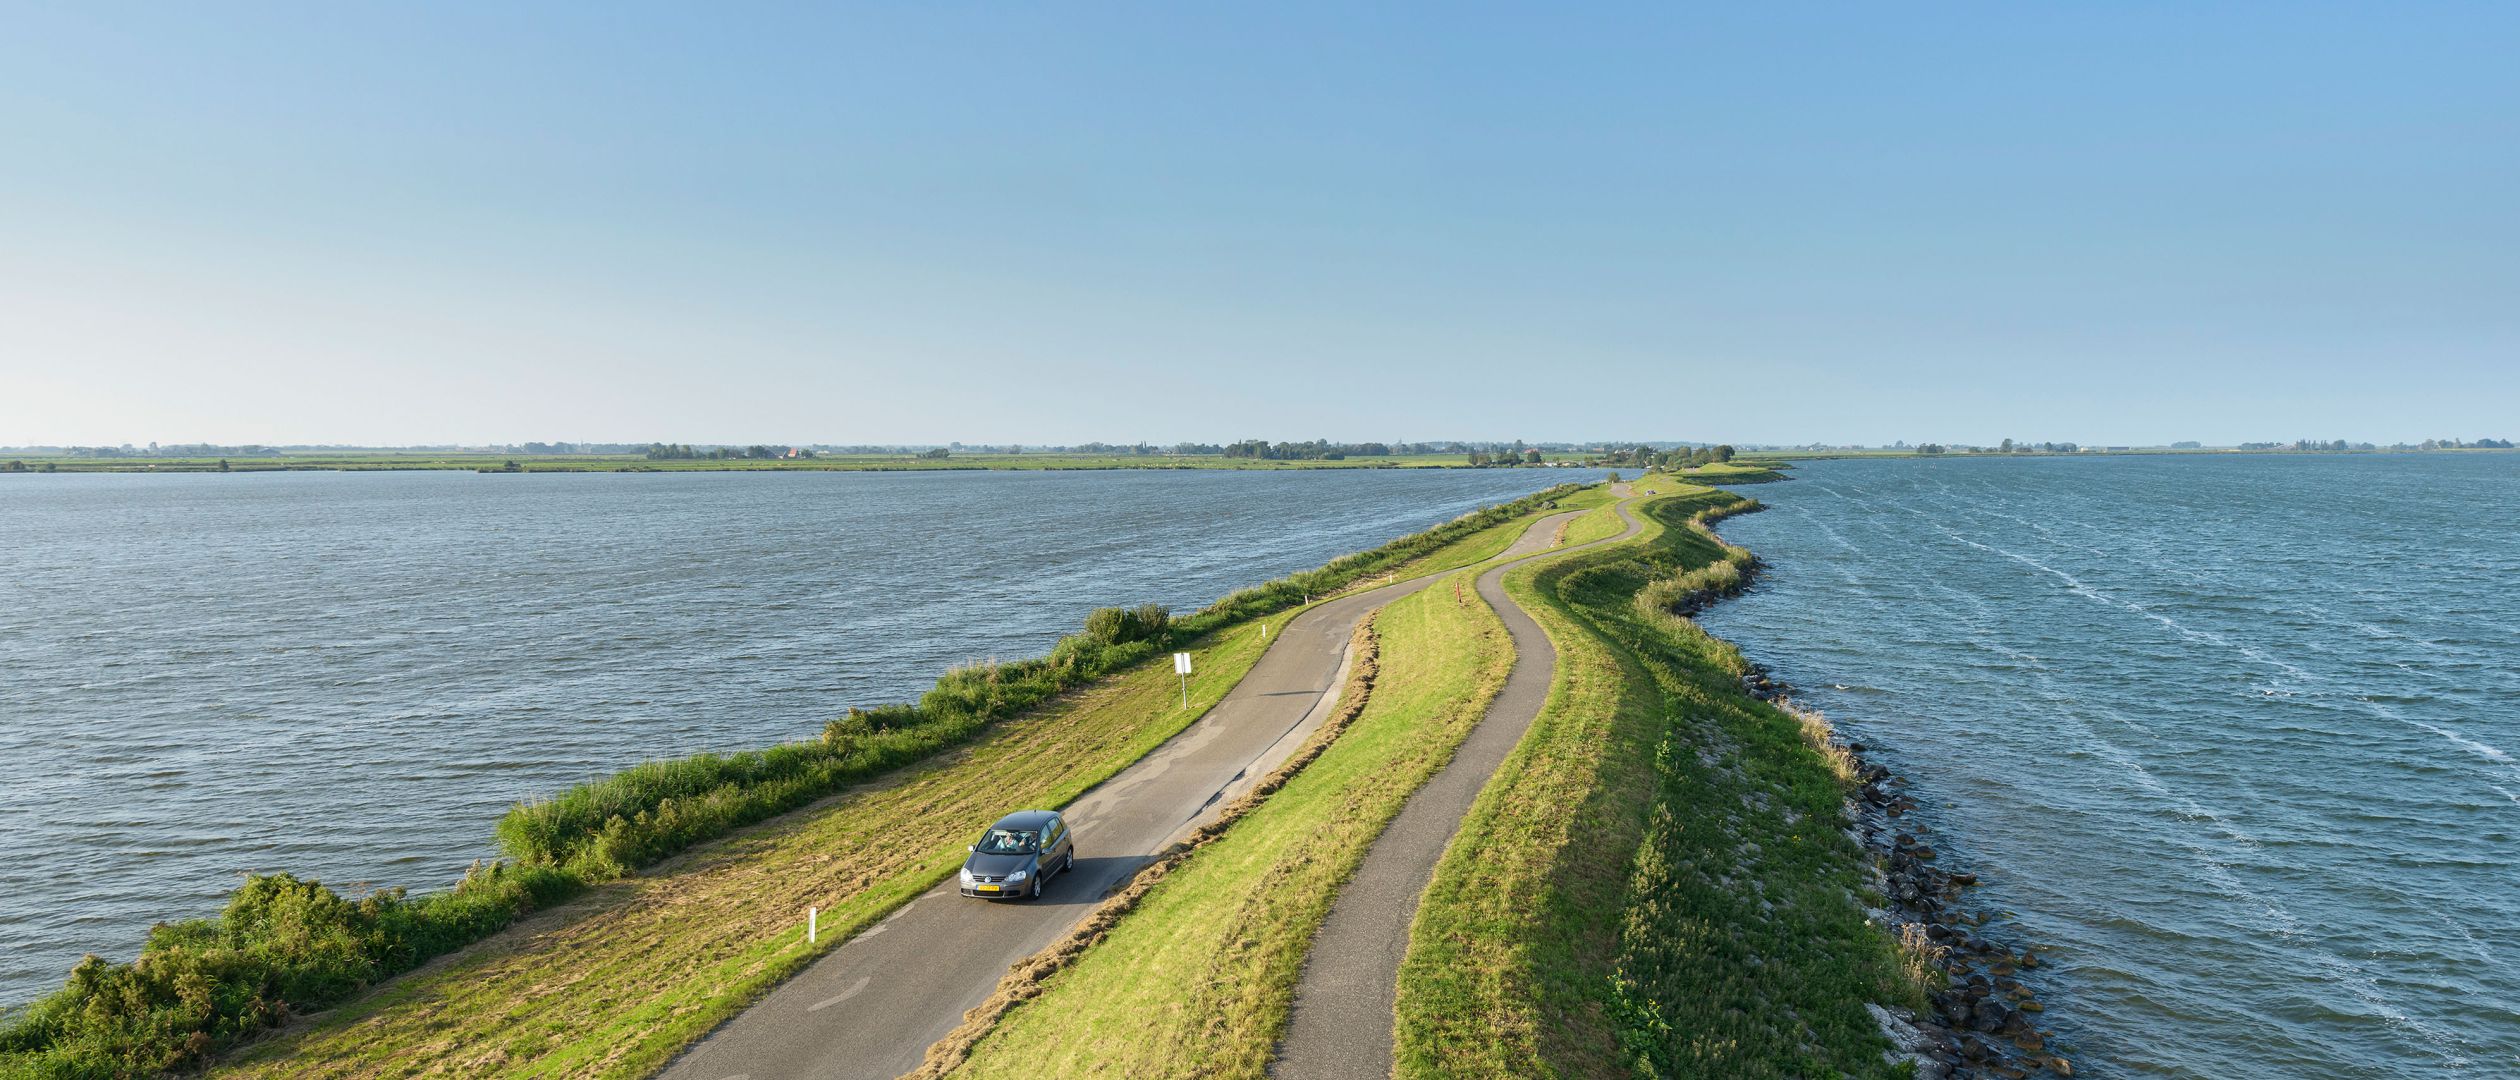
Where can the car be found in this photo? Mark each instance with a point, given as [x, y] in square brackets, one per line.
[1019, 855]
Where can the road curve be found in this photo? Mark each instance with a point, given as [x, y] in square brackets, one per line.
[1341, 1025]
[871, 1007]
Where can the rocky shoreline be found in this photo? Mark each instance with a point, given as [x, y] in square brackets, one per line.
[1984, 1021]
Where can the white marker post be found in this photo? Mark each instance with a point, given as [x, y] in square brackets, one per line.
[813, 917]
[1181, 667]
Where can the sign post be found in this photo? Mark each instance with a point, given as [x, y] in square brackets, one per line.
[1181, 667]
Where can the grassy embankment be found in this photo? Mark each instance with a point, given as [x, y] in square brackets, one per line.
[565, 463]
[1655, 882]
[1197, 979]
[287, 947]
[617, 983]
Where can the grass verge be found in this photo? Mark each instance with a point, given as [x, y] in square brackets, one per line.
[1513, 932]
[1198, 979]
[1699, 913]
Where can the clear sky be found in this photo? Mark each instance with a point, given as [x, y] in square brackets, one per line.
[2106, 223]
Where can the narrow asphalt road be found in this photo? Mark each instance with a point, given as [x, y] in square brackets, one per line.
[1341, 1025]
[871, 1007]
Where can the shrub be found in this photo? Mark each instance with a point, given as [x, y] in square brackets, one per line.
[283, 945]
[1117, 626]
[1152, 622]
[1107, 626]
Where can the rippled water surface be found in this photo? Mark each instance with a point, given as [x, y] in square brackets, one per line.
[350, 675]
[2232, 739]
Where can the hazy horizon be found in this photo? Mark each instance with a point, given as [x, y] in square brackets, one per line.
[977, 446]
[2111, 226]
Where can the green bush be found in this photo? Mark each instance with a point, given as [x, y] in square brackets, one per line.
[282, 946]
[1119, 626]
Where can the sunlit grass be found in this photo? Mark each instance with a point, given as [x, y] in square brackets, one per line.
[1197, 981]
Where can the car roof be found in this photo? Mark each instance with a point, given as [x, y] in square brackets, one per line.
[1025, 819]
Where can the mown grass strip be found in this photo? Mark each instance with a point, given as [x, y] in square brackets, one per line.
[1602, 523]
[1516, 928]
[1198, 980]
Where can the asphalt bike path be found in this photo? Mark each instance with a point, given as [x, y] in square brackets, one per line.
[872, 1006]
[1341, 1025]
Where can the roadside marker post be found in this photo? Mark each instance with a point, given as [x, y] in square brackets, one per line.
[1181, 667]
[813, 916]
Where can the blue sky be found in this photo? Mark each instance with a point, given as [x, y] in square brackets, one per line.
[2102, 223]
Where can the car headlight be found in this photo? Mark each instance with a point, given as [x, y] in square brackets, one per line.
[966, 875]
[1019, 875]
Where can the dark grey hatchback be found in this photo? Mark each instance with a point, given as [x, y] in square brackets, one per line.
[1018, 855]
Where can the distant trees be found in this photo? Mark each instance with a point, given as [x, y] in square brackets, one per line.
[1648, 457]
[756, 452]
[938, 454]
[1316, 450]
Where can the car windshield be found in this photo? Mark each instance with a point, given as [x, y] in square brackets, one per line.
[1010, 842]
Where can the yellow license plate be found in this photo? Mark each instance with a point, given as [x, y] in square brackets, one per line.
[984, 888]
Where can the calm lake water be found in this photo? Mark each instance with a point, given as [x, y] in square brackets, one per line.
[351, 675]
[2231, 739]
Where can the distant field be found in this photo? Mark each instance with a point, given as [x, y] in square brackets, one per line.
[636, 463]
